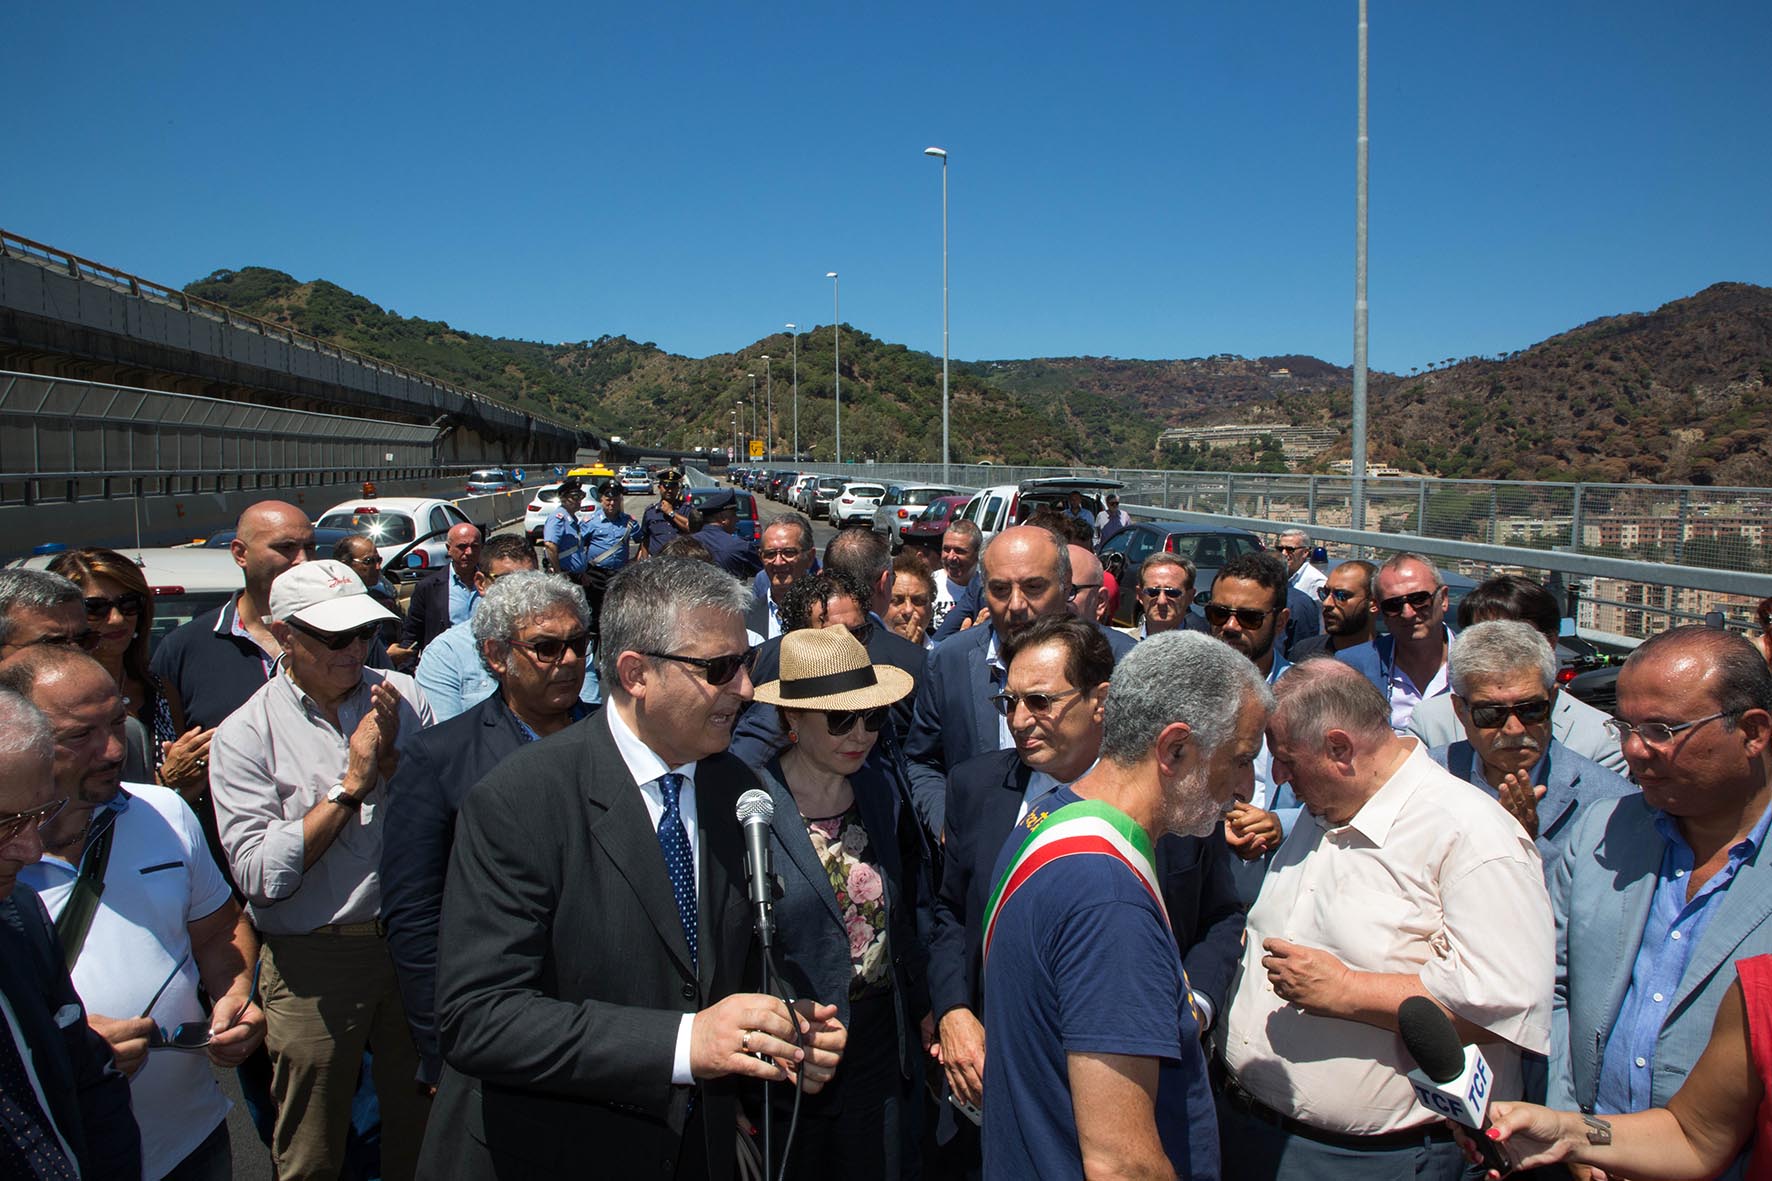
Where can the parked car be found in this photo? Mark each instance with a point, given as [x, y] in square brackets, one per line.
[926, 531]
[491, 479]
[1208, 547]
[747, 509]
[903, 504]
[800, 491]
[820, 495]
[395, 522]
[780, 483]
[542, 503]
[636, 482]
[187, 580]
[855, 505]
[996, 508]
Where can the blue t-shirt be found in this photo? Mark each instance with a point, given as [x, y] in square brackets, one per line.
[1082, 962]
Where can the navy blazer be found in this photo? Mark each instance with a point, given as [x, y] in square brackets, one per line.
[1374, 659]
[731, 552]
[953, 719]
[88, 1099]
[811, 942]
[984, 796]
[437, 767]
[427, 613]
[1305, 620]
[1573, 782]
[966, 605]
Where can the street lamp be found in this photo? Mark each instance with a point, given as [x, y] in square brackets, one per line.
[769, 413]
[942, 155]
[734, 452]
[793, 329]
[738, 409]
[753, 378]
[837, 355]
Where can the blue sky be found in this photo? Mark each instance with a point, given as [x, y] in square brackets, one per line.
[1143, 180]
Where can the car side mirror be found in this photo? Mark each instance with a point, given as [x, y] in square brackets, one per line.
[414, 560]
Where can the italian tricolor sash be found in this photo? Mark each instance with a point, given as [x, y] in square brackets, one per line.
[1085, 827]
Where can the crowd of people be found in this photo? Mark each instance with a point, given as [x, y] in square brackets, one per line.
[671, 854]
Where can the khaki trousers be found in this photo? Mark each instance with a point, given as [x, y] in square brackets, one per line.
[328, 997]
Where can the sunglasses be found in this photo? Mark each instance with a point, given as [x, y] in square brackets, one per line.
[1037, 703]
[841, 721]
[13, 824]
[1162, 592]
[717, 669]
[1340, 596]
[336, 641]
[1530, 713]
[186, 1035]
[1416, 599]
[1248, 618]
[552, 649]
[783, 554]
[128, 604]
[1290, 549]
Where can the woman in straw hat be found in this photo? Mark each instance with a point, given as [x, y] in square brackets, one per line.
[849, 852]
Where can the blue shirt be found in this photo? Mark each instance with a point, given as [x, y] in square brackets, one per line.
[566, 533]
[455, 679]
[1673, 931]
[604, 532]
[462, 597]
[1055, 984]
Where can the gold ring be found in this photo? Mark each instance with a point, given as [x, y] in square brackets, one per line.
[744, 1043]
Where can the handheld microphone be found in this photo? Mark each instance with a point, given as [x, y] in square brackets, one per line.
[1452, 1079]
[755, 811]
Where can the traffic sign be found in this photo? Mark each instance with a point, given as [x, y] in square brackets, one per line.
[756, 449]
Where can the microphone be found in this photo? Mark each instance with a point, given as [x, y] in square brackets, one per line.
[755, 811]
[1452, 1079]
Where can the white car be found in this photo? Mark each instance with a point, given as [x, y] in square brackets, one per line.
[855, 505]
[187, 580]
[797, 494]
[396, 521]
[636, 481]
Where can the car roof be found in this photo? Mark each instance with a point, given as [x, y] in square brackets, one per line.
[189, 566]
[386, 504]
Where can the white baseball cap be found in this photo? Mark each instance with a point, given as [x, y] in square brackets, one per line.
[326, 595]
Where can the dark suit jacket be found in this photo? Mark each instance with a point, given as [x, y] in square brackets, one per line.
[953, 719]
[563, 973]
[732, 553]
[88, 1099]
[1305, 621]
[437, 767]
[427, 613]
[966, 605]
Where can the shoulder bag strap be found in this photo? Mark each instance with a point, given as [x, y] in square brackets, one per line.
[89, 887]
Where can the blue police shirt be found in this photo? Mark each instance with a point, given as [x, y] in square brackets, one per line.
[609, 536]
[566, 532]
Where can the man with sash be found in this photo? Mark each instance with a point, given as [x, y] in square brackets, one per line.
[1095, 1066]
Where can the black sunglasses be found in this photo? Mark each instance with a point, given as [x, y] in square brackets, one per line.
[841, 721]
[129, 604]
[336, 641]
[717, 669]
[14, 823]
[1248, 618]
[1290, 549]
[552, 649]
[1162, 592]
[1416, 599]
[1530, 713]
[1326, 593]
[1037, 703]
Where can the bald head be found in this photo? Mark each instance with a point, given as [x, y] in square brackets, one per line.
[1027, 574]
[1088, 597]
[270, 537]
[86, 711]
[463, 545]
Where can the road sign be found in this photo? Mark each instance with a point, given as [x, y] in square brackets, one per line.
[756, 449]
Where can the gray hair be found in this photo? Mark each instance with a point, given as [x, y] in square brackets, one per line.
[24, 730]
[1395, 562]
[1298, 533]
[521, 595]
[1178, 676]
[798, 522]
[1322, 694]
[967, 529]
[1498, 649]
[643, 606]
[32, 589]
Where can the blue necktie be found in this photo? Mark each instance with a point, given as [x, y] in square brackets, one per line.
[674, 841]
[28, 1144]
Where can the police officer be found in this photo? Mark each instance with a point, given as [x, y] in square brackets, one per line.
[719, 514]
[606, 538]
[564, 534]
[664, 522]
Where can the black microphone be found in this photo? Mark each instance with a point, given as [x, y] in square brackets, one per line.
[1453, 1080]
[755, 811]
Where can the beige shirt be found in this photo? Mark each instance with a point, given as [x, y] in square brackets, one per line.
[1431, 877]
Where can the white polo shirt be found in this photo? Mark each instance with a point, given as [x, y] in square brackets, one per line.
[159, 880]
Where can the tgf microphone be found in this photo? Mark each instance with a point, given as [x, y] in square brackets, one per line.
[1452, 1080]
[755, 811]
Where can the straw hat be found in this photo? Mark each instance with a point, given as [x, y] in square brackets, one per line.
[827, 668]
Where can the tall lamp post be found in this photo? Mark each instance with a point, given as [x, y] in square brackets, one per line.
[837, 354]
[734, 458]
[1362, 149]
[769, 413]
[738, 409]
[793, 329]
[942, 155]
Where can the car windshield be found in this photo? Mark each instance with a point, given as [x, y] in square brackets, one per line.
[547, 495]
[386, 528]
[866, 490]
[924, 495]
[1210, 550]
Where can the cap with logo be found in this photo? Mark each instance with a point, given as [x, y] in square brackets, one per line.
[325, 595]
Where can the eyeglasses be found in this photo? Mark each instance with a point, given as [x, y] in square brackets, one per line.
[186, 1035]
[1078, 588]
[863, 632]
[1659, 733]
[1248, 618]
[1326, 593]
[1163, 592]
[1290, 549]
[717, 669]
[1530, 713]
[336, 641]
[841, 721]
[371, 560]
[13, 824]
[128, 604]
[1416, 599]
[1037, 703]
[786, 553]
[552, 649]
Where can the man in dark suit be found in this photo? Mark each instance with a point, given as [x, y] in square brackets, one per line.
[64, 1108]
[1056, 687]
[595, 937]
[533, 632]
[447, 597]
[1026, 576]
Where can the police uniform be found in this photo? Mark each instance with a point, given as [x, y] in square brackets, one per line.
[731, 552]
[657, 530]
[568, 534]
[606, 541]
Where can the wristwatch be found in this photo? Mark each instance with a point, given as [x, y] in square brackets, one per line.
[344, 799]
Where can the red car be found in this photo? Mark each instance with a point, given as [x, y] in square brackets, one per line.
[925, 532]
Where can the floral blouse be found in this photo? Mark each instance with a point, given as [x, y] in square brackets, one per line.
[842, 846]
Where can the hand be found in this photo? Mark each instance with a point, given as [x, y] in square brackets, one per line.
[399, 654]
[1520, 798]
[717, 1041]
[385, 702]
[825, 1039]
[962, 1055]
[128, 1037]
[236, 1027]
[1251, 831]
[1534, 1135]
[184, 762]
[1307, 977]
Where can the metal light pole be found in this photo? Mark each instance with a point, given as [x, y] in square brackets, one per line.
[791, 328]
[942, 154]
[753, 378]
[734, 458]
[1361, 152]
[837, 354]
[769, 414]
[738, 409]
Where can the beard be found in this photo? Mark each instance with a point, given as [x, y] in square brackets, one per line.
[1193, 812]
